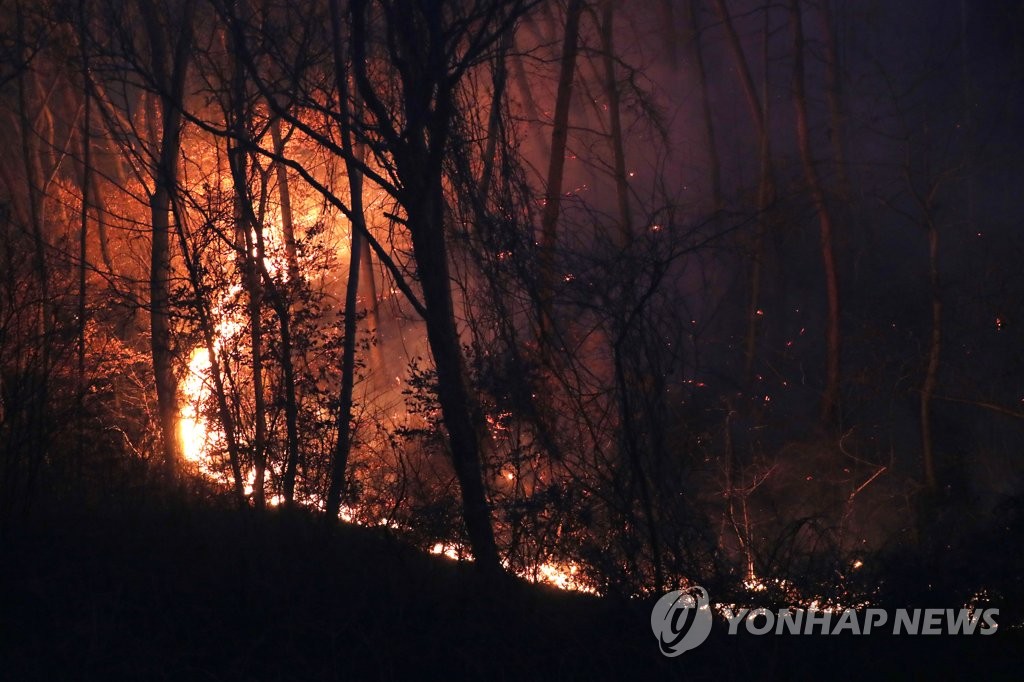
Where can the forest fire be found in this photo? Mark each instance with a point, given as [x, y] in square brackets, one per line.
[607, 296]
[564, 576]
[195, 429]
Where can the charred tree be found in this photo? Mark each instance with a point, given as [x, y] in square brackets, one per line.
[169, 66]
[354, 157]
[282, 305]
[416, 133]
[249, 245]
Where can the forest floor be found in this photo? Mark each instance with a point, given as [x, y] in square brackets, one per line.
[188, 592]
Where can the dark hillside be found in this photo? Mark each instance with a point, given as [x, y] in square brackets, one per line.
[187, 593]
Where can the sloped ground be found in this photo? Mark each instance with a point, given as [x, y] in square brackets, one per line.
[205, 594]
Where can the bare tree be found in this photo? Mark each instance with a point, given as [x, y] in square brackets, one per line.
[766, 186]
[354, 160]
[556, 160]
[624, 233]
[168, 64]
[833, 336]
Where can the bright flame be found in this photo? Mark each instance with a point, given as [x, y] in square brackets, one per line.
[563, 576]
[449, 551]
[192, 425]
[202, 438]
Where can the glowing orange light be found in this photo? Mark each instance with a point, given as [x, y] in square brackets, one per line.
[192, 425]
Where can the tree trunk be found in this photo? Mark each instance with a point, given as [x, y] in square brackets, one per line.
[254, 286]
[499, 78]
[556, 162]
[705, 101]
[291, 402]
[254, 289]
[353, 162]
[171, 77]
[418, 154]
[83, 234]
[632, 445]
[934, 351]
[833, 95]
[160, 330]
[926, 203]
[287, 225]
[833, 338]
[530, 108]
[248, 229]
[426, 223]
[624, 234]
[38, 392]
[766, 186]
[206, 327]
[765, 199]
[283, 308]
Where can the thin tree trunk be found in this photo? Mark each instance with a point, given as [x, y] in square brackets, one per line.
[930, 380]
[968, 103]
[160, 331]
[742, 67]
[34, 184]
[254, 290]
[210, 342]
[283, 308]
[666, 13]
[353, 161]
[934, 351]
[100, 209]
[287, 226]
[615, 119]
[115, 175]
[83, 245]
[833, 338]
[530, 107]
[556, 162]
[247, 223]
[833, 95]
[765, 199]
[499, 78]
[633, 454]
[766, 187]
[368, 293]
[705, 101]
[291, 402]
[172, 78]
[418, 156]
[426, 220]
